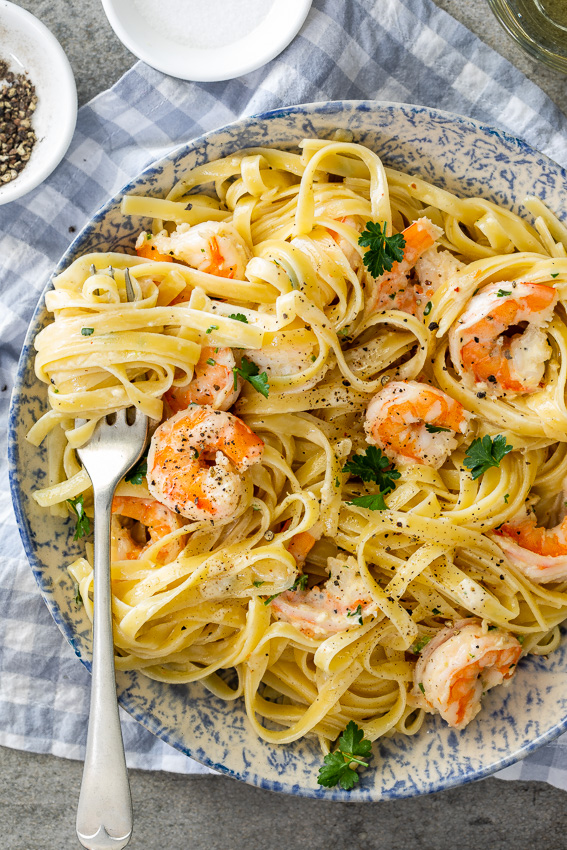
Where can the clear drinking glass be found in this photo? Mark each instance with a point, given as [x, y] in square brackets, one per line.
[539, 26]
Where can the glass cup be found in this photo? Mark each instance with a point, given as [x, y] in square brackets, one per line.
[539, 26]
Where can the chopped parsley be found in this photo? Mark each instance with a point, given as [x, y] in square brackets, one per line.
[239, 317]
[421, 688]
[506, 497]
[428, 308]
[555, 275]
[271, 598]
[83, 524]
[339, 768]
[356, 613]
[87, 331]
[78, 597]
[258, 583]
[486, 452]
[383, 250]
[137, 474]
[211, 362]
[434, 429]
[435, 611]
[420, 643]
[300, 583]
[502, 292]
[211, 329]
[250, 372]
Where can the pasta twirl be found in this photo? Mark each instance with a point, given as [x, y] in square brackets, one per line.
[354, 506]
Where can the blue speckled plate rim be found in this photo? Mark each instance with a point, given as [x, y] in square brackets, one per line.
[360, 794]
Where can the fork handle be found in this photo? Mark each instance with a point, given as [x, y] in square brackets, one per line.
[104, 813]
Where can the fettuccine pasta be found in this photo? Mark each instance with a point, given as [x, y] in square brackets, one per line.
[353, 502]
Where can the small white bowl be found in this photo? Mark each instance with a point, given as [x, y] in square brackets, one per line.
[168, 44]
[28, 46]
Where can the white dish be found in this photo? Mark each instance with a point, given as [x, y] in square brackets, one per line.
[28, 46]
[168, 48]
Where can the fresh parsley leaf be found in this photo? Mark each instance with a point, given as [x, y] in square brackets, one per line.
[555, 275]
[373, 503]
[239, 317]
[339, 767]
[373, 466]
[486, 452]
[337, 771]
[87, 331]
[249, 372]
[434, 429]
[138, 472]
[502, 292]
[383, 250]
[83, 524]
[211, 329]
[420, 643]
[506, 497]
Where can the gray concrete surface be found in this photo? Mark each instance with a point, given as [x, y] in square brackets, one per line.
[38, 794]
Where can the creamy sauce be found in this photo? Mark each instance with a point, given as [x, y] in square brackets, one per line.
[203, 24]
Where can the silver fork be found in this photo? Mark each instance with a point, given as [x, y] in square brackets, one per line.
[104, 813]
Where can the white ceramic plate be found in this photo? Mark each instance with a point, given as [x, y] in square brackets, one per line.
[177, 50]
[28, 46]
[456, 154]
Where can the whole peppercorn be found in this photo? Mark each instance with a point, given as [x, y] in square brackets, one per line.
[18, 101]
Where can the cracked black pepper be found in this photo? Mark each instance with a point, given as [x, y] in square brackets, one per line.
[18, 101]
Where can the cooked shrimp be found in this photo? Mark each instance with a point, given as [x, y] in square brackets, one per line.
[301, 544]
[352, 254]
[434, 268]
[129, 542]
[197, 460]
[340, 604]
[145, 248]
[212, 382]
[460, 664]
[393, 290]
[539, 553]
[286, 353]
[415, 422]
[485, 356]
[212, 246]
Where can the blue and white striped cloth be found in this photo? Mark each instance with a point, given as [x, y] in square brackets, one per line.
[395, 50]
